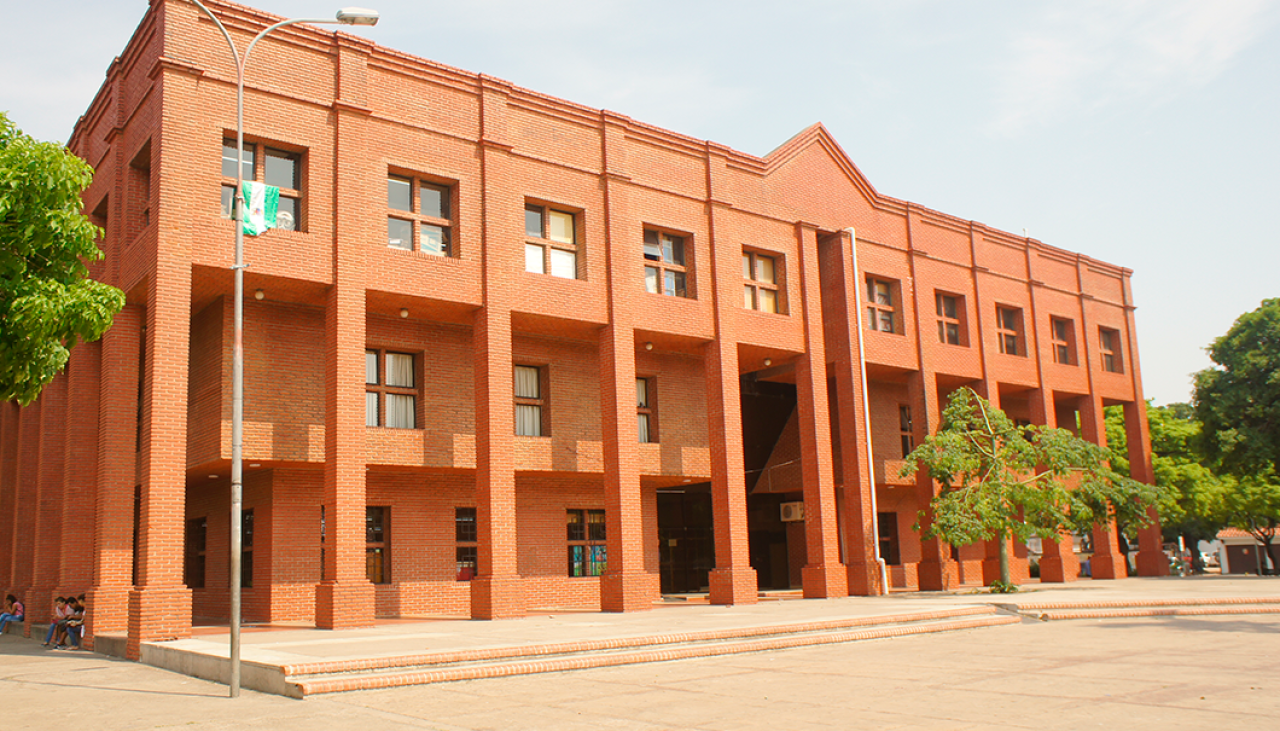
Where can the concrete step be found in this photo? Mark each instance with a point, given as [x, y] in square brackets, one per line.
[1147, 608]
[367, 674]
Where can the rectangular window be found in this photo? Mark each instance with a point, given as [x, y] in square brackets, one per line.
[905, 431]
[281, 168]
[246, 549]
[665, 270]
[418, 215]
[951, 330]
[530, 393]
[1009, 330]
[760, 289]
[881, 295]
[391, 395]
[586, 537]
[465, 536]
[551, 245]
[139, 176]
[377, 539]
[887, 525]
[196, 543]
[646, 410]
[1112, 360]
[1062, 335]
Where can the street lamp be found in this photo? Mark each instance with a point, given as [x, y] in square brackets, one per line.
[346, 16]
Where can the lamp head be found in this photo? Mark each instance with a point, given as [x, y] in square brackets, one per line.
[357, 16]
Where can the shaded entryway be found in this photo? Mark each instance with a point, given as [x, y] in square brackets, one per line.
[686, 547]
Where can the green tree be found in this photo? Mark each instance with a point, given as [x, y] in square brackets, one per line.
[1191, 504]
[47, 301]
[1252, 504]
[1000, 480]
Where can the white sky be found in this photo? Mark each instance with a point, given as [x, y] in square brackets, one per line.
[1145, 133]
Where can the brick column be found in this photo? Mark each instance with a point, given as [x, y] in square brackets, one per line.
[47, 533]
[496, 590]
[80, 471]
[112, 557]
[840, 313]
[1151, 559]
[345, 598]
[9, 419]
[22, 548]
[1058, 562]
[936, 571]
[733, 581]
[1107, 563]
[823, 576]
[159, 603]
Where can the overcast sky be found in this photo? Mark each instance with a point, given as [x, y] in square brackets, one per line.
[1145, 133]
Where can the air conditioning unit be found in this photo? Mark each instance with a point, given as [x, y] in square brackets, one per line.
[792, 512]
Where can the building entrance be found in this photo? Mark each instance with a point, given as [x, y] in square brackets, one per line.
[686, 548]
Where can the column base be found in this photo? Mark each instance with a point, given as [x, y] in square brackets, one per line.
[108, 612]
[1108, 566]
[344, 606]
[626, 592]
[937, 575]
[1152, 563]
[497, 597]
[864, 579]
[39, 603]
[734, 586]
[157, 614]
[824, 580]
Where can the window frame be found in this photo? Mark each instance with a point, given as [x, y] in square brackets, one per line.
[246, 548]
[887, 538]
[946, 321]
[592, 560]
[260, 151]
[541, 401]
[663, 266]
[377, 572]
[466, 543]
[196, 549]
[1062, 341]
[383, 390]
[878, 310]
[547, 245]
[1111, 350]
[1010, 336]
[906, 430]
[417, 219]
[753, 285]
[647, 410]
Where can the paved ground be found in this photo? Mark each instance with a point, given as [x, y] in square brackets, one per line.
[1158, 673]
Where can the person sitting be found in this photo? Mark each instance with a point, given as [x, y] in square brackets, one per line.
[14, 611]
[69, 629]
[61, 611]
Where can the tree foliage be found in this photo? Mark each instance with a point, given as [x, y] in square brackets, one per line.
[1002, 480]
[1238, 400]
[1252, 504]
[47, 301]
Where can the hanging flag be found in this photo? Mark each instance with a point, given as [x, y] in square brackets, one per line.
[261, 204]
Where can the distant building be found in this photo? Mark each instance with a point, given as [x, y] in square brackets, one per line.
[1241, 553]
[510, 352]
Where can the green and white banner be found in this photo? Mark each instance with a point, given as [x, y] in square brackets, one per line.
[261, 204]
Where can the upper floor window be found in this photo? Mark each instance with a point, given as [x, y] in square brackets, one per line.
[905, 431]
[418, 216]
[531, 398]
[391, 394]
[1009, 330]
[1062, 334]
[760, 290]
[950, 307]
[881, 312]
[275, 167]
[646, 410]
[1112, 360]
[551, 245]
[665, 270]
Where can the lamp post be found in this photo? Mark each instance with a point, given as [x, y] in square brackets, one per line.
[346, 16]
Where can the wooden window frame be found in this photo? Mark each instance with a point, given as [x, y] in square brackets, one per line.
[947, 322]
[542, 401]
[260, 152]
[1009, 336]
[753, 284]
[881, 305]
[1062, 338]
[377, 543]
[415, 217]
[196, 547]
[546, 245]
[660, 265]
[1112, 352]
[588, 535]
[906, 431]
[382, 389]
[466, 534]
[647, 410]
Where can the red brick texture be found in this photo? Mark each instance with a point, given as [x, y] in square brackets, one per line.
[101, 477]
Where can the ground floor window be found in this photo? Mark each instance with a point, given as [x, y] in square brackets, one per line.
[586, 537]
[196, 542]
[888, 529]
[377, 544]
[464, 522]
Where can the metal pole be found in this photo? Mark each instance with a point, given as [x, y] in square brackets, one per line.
[237, 357]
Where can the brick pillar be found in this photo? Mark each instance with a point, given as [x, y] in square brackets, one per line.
[1151, 559]
[840, 313]
[733, 581]
[1058, 562]
[496, 590]
[991, 548]
[823, 576]
[1107, 563]
[345, 598]
[47, 533]
[112, 557]
[159, 603]
[22, 549]
[9, 420]
[936, 571]
[80, 471]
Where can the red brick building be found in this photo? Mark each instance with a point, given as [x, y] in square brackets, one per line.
[512, 352]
